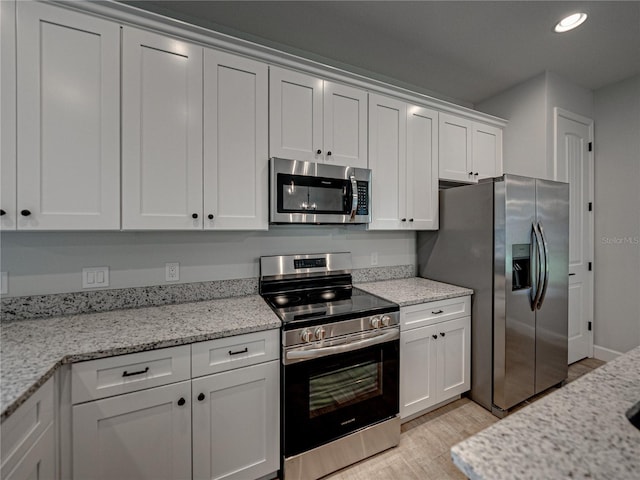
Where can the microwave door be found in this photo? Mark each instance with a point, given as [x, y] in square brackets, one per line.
[328, 197]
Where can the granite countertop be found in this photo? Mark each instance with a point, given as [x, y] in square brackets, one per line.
[33, 349]
[578, 431]
[411, 291]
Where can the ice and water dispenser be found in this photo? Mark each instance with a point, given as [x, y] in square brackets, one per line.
[521, 263]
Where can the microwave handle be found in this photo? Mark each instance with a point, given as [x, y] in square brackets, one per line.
[354, 197]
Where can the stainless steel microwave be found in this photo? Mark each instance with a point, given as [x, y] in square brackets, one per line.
[307, 192]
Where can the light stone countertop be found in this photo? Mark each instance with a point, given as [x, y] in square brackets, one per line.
[579, 431]
[412, 291]
[33, 349]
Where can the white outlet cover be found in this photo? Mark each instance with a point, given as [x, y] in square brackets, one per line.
[172, 271]
[95, 277]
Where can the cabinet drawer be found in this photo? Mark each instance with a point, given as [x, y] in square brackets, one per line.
[128, 373]
[415, 316]
[233, 352]
[21, 430]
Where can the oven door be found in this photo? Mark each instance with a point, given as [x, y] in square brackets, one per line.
[331, 396]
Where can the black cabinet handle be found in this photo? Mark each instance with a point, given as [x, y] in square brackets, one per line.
[25, 213]
[442, 334]
[437, 312]
[182, 401]
[571, 274]
[470, 173]
[476, 174]
[435, 337]
[318, 151]
[2, 212]
[329, 153]
[210, 216]
[244, 350]
[194, 215]
[201, 397]
[403, 219]
[411, 219]
[139, 372]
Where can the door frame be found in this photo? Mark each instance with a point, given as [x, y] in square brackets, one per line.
[590, 251]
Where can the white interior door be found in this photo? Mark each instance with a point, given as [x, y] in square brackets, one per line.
[574, 164]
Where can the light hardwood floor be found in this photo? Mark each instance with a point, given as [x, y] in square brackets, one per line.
[423, 453]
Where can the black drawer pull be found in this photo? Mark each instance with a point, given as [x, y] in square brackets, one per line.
[140, 372]
[244, 350]
[442, 334]
[201, 397]
[438, 312]
[182, 401]
[434, 336]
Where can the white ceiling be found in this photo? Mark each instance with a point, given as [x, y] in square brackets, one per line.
[463, 50]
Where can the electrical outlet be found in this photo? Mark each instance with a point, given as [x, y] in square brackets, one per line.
[172, 272]
[374, 258]
[95, 277]
[4, 283]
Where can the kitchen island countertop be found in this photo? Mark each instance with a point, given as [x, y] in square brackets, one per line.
[412, 291]
[578, 431]
[33, 349]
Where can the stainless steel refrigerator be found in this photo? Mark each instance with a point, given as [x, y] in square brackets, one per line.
[508, 239]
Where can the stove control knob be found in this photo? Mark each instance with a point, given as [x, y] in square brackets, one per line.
[321, 333]
[386, 320]
[306, 335]
[375, 322]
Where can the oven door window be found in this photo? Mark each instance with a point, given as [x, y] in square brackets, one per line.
[304, 194]
[329, 397]
[337, 389]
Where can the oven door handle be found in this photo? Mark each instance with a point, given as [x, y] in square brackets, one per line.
[347, 347]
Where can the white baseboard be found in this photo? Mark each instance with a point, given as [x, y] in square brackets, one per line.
[605, 354]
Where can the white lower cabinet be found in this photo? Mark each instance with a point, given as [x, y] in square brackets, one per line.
[140, 435]
[434, 357]
[223, 424]
[28, 439]
[235, 423]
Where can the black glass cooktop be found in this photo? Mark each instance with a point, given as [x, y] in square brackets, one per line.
[317, 306]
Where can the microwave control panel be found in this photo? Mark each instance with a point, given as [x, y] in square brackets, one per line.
[363, 198]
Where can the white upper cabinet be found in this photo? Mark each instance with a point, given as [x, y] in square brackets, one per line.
[487, 150]
[8, 116]
[316, 120]
[387, 161]
[68, 128]
[469, 150]
[422, 169]
[235, 142]
[403, 157]
[161, 132]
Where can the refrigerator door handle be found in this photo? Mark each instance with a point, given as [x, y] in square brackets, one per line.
[545, 283]
[534, 295]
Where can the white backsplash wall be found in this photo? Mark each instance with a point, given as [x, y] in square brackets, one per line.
[41, 263]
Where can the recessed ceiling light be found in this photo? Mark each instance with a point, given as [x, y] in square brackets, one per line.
[570, 22]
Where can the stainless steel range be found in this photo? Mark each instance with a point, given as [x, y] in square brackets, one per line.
[340, 364]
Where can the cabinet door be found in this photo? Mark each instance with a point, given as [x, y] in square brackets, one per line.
[161, 132]
[236, 423]
[418, 357]
[487, 151]
[295, 115]
[68, 98]
[235, 142]
[8, 116]
[455, 148]
[453, 357]
[39, 462]
[422, 169]
[345, 125]
[141, 435]
[387, 160]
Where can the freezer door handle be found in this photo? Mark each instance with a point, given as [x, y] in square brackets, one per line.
[545, 249]
[534, 295]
